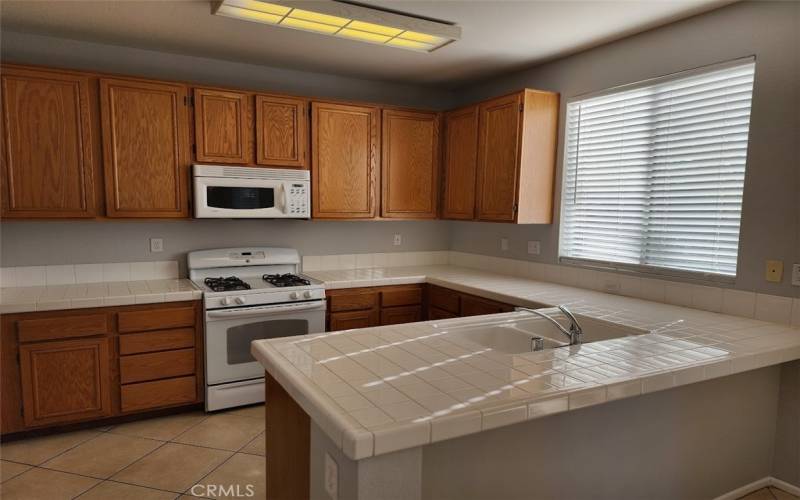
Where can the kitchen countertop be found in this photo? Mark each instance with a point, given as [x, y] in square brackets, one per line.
[383, 389]
[83, 295]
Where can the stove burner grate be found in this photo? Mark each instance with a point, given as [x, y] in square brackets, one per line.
[282, 280]
[226, 284]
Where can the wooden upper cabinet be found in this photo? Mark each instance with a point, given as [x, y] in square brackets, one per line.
[145, 148]
[48, 150]
[410, 166]
[222, 126]
[281, 131]
[345, 151]
[516, 158]
[65, 381]
[460, 163]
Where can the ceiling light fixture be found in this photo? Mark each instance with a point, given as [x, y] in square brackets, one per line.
[345, 20]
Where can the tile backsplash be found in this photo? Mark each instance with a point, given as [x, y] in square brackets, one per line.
[370, 260]
[87, 273]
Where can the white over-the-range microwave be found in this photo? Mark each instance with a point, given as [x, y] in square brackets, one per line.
[258, 193]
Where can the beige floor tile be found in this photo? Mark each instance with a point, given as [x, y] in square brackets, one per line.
[173, 467]
[161, 428]
[34, 451]
[117, 491]
[103, 456]
[257, 446]
[225, 432]
[238, 477]
[38, 484]
[255, 411]
[11, 469]
[779, 494]
[762, 494]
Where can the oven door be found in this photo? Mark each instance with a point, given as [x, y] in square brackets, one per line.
[229, 333]
[221, 197]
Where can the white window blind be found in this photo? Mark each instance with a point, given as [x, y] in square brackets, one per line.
[654, 173]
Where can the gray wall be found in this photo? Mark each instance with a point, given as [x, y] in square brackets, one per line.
[771, 213]
[37, 243]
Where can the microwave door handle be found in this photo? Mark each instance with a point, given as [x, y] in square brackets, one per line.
[258, 311]
[284, 201]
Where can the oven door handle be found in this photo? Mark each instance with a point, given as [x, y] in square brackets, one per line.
[264, 311]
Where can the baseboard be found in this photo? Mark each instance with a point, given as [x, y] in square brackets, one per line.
[757, 485]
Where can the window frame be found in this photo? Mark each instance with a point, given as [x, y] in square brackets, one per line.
[654, 271]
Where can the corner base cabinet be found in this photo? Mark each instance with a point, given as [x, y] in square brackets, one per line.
[64, 367]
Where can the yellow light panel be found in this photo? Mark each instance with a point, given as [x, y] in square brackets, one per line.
[409, 44]
[374, 28]
[310, 26]
[269, 8]
[363, 35]
[421, 37]
[316, 17]
[249, 15]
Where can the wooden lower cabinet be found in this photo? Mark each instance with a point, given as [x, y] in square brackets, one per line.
[353, 319]
[64, 367]
[436, 313]
[400, 315]
[65, 381]
[350, 308]
[445, 303]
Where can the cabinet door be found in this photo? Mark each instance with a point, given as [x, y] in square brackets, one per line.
[145, 148]
[436, 313]
[48, 158]
[222, 126]
[498, 158]
[401, 315]
[410, 166]
[354, 319]
[65, 381]
[281, 131]
[345, 151]
[476, 306]
[460, 163]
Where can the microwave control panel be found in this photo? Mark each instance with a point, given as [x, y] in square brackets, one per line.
[297, 196]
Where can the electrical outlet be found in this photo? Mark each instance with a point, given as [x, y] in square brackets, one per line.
[796, 275]
[398, 240]
[534, 247]
[504, 244]
[156, 245]
[331, 477]
[774, 271]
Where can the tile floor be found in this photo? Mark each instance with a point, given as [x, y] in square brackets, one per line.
[178, 456]
[769, 493]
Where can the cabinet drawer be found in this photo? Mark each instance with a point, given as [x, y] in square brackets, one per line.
[353, 301]
[62, 327]
[154, 366]
[400, 315]
[436, 313]
[445, 299]
[405, 296]
[160, 393]
[136, 343]
[476, 306]
[353, 319]
[156, 319]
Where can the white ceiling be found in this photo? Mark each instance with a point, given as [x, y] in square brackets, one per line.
[497, 36]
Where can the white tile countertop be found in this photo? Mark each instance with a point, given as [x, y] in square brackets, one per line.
[378, 390]
[48, 288]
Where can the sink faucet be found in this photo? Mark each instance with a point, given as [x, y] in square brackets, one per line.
[574, 333]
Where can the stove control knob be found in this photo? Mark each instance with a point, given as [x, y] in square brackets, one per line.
[241, 300]
[307, 294]
[294, 295]
[226, 301]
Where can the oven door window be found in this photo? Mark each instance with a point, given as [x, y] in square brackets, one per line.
[240, 337]
[240, 198]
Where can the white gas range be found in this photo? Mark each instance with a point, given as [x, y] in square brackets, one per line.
[250, 294]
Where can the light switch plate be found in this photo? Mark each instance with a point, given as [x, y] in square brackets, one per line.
[534, 247]
[774, 272]
[504, 244]
[796, 275]
[331, 477]
[156, 245]
[398, 240]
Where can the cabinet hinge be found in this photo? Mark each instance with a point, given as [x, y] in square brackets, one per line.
[514, 208]
[188, 100]
[521, 108]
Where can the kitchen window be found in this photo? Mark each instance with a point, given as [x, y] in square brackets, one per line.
[654, 173]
